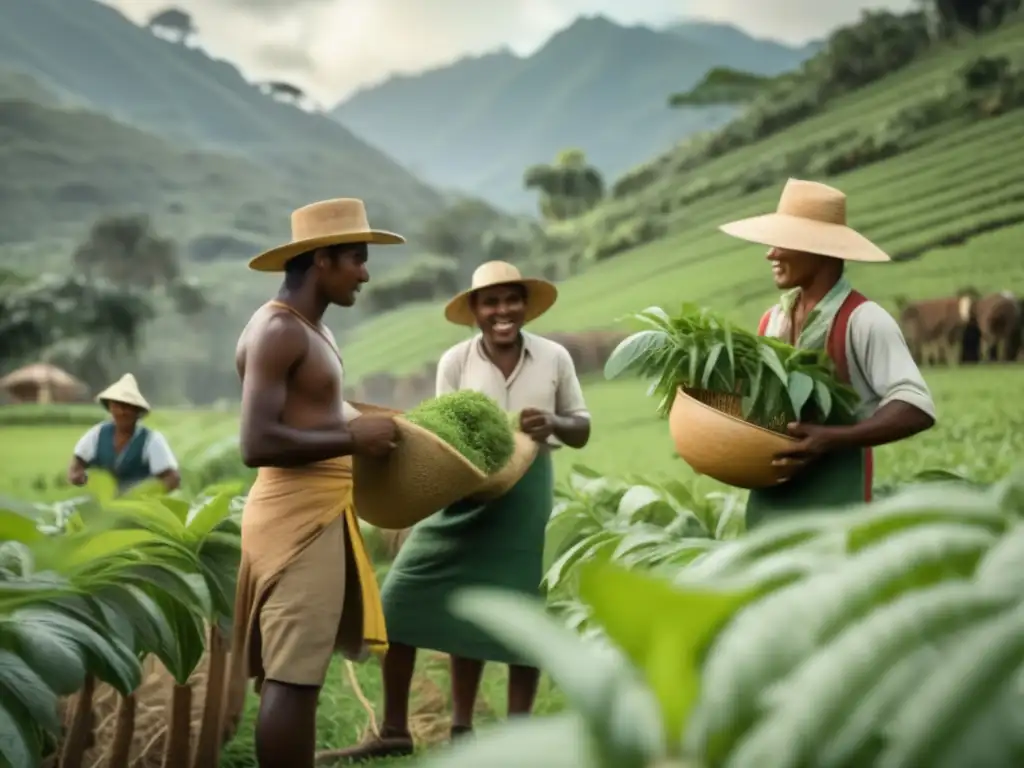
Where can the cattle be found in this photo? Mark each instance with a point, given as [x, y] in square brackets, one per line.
[934, 328]
[998, 320]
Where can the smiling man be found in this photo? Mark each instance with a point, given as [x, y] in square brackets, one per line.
[810, 245]
[305, 582]
[500, 544]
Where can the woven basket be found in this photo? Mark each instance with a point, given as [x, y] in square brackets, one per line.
[424, 474]
[501, 482]
[711, 436]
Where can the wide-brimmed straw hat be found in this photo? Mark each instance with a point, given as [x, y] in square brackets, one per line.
[810, 218]
[423, 475]
[323, 224]
[124, 390]
[540, 294]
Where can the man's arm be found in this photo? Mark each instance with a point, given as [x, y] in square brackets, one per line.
[906, 407]
[265, 440]
[83, 454]
[572, 420]
[162, 462]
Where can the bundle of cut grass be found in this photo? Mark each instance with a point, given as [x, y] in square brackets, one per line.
[471, 423]
[457, 446]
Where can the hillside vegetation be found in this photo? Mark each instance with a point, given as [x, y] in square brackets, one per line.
[90, 55]
[944, 194]
[477, 124]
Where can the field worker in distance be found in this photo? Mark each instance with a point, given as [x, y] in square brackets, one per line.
[123, 447]
[306, 586]
[499, 544]
[810, 245]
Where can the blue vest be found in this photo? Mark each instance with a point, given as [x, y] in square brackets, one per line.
[130, 466]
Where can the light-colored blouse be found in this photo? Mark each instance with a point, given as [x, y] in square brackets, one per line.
[881, 366]
[544, 378]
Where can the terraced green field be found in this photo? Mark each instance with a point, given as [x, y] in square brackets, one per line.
[952, 209]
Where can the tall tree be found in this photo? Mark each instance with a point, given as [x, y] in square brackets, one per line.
[35, 315]
[173, 22]
[569, 187]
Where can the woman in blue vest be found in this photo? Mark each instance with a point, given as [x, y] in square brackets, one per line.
[121, 445]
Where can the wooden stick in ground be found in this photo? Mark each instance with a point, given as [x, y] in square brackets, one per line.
[77, 741]
[211, 728]
[124, 732]
[179, 730]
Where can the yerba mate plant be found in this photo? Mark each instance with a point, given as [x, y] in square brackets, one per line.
[698, 349]
[891, 635]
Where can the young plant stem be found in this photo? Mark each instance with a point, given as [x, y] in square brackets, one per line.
[176, 750]
[78, 738]
[211, 729]
[124, 732]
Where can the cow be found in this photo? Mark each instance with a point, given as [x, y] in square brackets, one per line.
[998, 320]
[934, 328]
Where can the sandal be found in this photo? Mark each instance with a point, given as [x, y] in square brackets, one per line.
[389, 743]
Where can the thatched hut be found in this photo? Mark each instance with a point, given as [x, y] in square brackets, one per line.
[43, 383]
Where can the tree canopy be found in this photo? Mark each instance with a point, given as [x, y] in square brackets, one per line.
[569, 187]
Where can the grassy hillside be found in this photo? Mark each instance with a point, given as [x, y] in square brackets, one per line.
[952, 207]
[90, 54]
[479, 123]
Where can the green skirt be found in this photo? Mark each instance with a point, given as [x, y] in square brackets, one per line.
[499, 544]
[836, 480]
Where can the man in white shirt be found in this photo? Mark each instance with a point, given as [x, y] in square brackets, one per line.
[810, 244]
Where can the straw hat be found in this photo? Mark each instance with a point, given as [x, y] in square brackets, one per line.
[810, 218]
[423, 475]
[318, 225]
[124, 390]
[540, 294]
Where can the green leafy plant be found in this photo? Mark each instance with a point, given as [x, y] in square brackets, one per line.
[87, 593]
[639, 523]
[472, 423]
[891, 635]
[699, 350]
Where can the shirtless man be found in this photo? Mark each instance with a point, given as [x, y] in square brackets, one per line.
[301, 547]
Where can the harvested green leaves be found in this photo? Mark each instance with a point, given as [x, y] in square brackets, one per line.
[471, 423]
[698, 349]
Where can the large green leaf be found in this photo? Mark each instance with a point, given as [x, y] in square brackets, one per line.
[772, 637]
[211, 513]
[107, 656]
[618, 711]
[664, 630]
[821, 694]
[19, 682]
[965, 703]
[938, 503]
[19, 746]
[46, 639]
[15, 527]
[152, 630]
[559, 741]
[148, 513]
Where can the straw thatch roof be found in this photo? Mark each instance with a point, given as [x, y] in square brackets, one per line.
[43, 383]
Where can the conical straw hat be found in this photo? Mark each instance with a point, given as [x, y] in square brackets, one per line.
[319, 225]
[540, 294]
[423, 475]
[124, 390]
[810, 218]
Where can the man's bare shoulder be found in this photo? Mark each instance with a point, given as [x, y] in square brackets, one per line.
[276, 337]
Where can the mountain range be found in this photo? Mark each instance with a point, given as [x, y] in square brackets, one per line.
[478, 123]
[148, 105]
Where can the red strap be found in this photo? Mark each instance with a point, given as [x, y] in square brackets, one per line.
[762, 327]
[836, 348]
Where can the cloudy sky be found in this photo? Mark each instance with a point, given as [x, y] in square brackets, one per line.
[332, 47]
